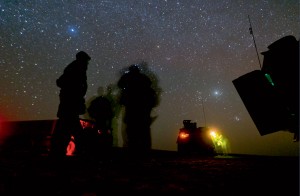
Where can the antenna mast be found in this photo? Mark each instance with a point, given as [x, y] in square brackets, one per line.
[251, 32]
[203, 112]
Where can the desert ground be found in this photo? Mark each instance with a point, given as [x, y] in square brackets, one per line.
[164, 172]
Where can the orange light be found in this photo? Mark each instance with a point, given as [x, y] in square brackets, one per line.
[71, 147]
[183, 135]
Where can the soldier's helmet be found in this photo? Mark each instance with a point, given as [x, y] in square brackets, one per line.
[83, 56]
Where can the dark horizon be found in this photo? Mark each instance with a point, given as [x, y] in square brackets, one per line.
[32, 137]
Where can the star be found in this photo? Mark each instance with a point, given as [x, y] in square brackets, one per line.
[196, 49]
[73, 31]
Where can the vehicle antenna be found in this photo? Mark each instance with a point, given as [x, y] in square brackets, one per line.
[203, 112]
[251, 32]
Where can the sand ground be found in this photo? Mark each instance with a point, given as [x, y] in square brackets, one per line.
[160, 172]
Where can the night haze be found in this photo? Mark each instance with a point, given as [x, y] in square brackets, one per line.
[195, 48]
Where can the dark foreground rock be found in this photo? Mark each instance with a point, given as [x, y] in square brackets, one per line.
[160, 172]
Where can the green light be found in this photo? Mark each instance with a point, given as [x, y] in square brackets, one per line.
[269, 79]
[220, 143]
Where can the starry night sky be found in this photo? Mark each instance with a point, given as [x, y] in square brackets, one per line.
[195, 47]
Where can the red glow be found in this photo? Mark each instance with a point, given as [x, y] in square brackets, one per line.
[86, 124]
[5, 129]
[71, 147]
[184, 135]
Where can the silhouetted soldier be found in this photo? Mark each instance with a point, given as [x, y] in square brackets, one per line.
[101, 111]
[73, 87]
[138, 98]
